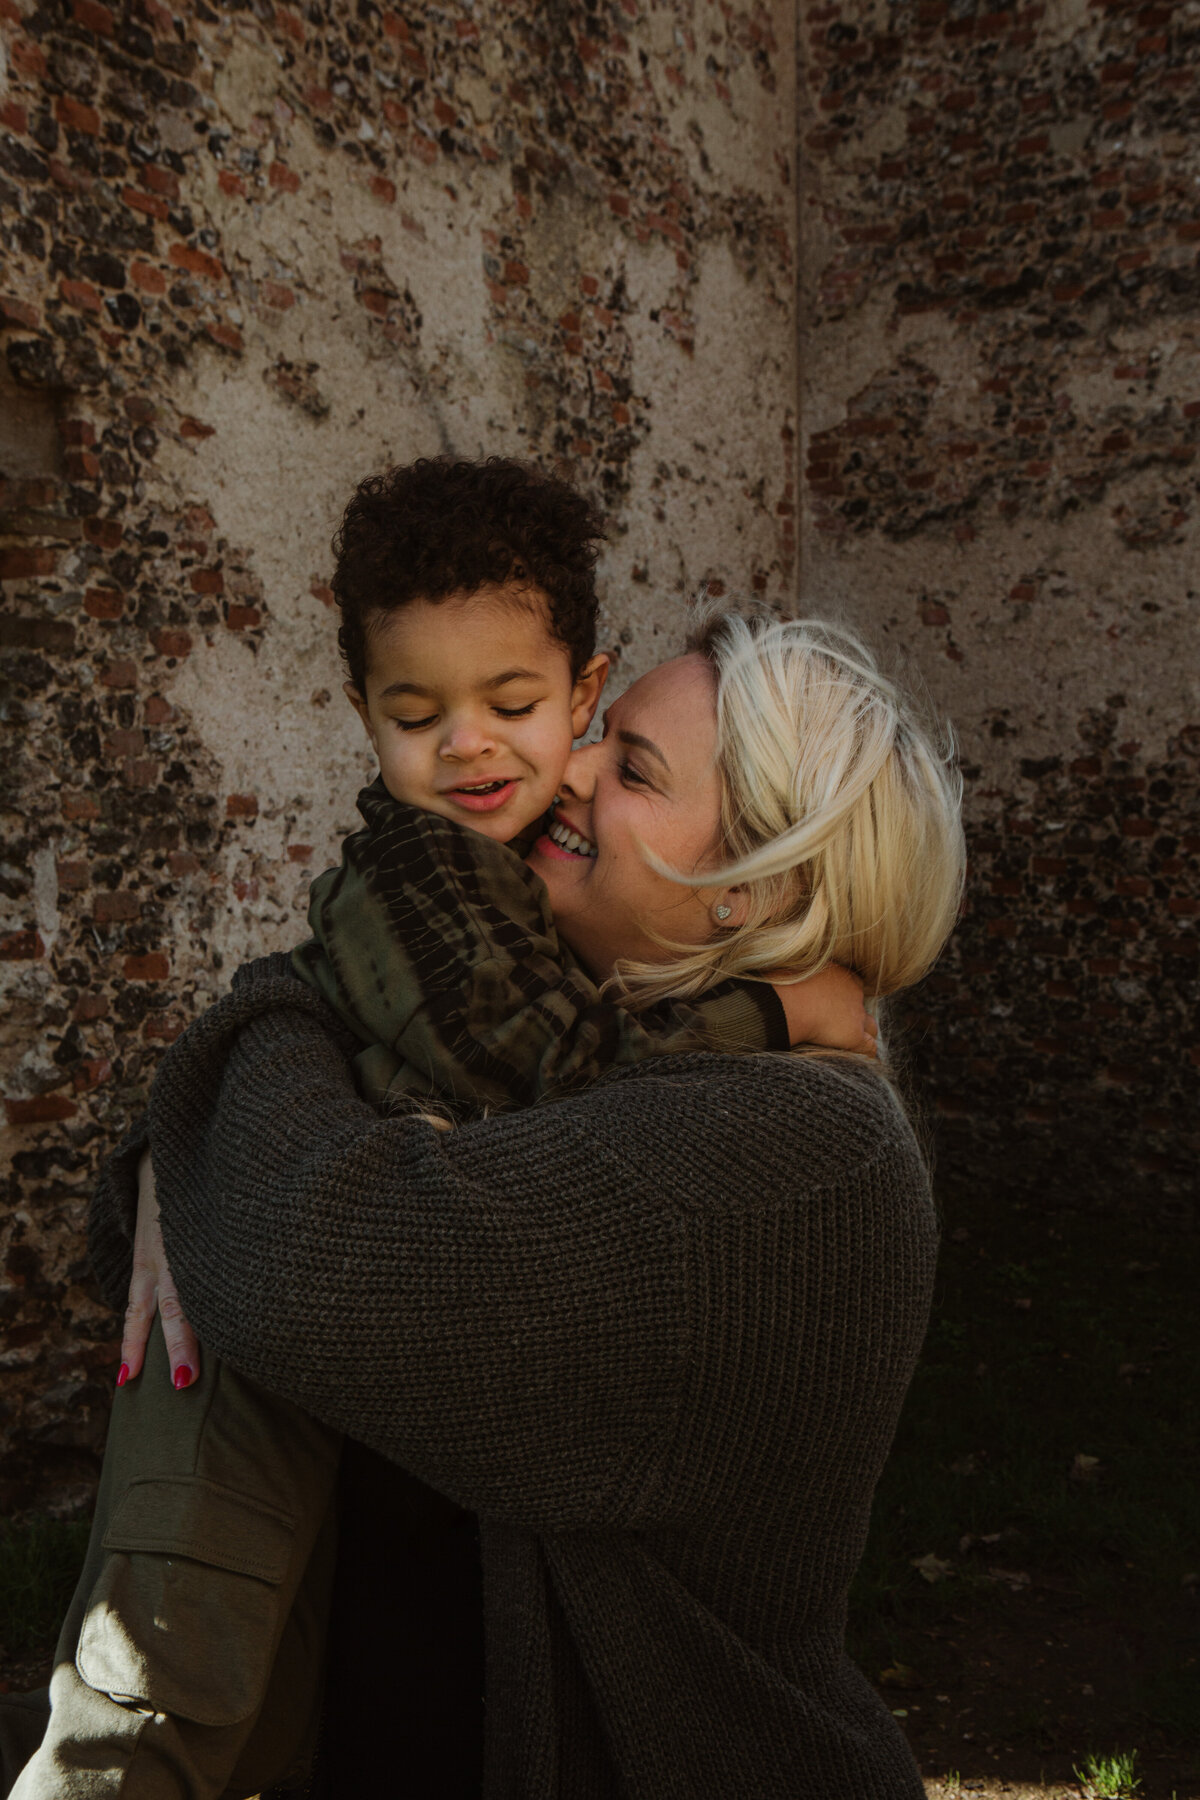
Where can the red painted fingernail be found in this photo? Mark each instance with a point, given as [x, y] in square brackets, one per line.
[122, 1374]
[183, 1376]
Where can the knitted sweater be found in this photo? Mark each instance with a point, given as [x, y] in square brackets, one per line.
[657, 1334]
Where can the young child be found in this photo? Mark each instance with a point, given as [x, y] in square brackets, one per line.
[191, 1658]
[468, 629]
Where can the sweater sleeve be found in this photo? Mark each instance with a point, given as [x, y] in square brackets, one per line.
[436, 946]
[503, 1308]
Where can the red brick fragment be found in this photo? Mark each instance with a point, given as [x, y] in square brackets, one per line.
[103, 603]
[183, 862]
[383, 189]
[226, 335]
[42, 1109]
[196, 262]
[299, 853]
[82, 465]
[92, 1073]
[79, 808]
[207, 581]
[21, 946]
[116, 908]
[192, 428]
[77, 116]
[146, 277]
[163, 1026]
[230, 182]
[153, 966]
[71, 876]
[93, 17]
[18, 313]
[80, 294]
[241, 806]
[280, 176]
[160, 180]
[119, 674]
[22, 565]
[153, 205]
[28, 59]
[90, 1007]
[171, 643]
[242, 618]
[107, 533]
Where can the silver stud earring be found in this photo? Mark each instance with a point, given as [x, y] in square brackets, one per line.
[722, 912]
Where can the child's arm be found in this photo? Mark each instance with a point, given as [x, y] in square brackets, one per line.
[437, 947]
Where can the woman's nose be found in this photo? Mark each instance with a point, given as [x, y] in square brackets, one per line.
[579, 776]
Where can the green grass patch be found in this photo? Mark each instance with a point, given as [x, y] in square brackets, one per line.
[1112, 1777]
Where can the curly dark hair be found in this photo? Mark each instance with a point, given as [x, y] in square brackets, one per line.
[438, 526]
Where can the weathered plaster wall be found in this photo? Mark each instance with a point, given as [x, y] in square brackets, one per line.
[251, 254]
[1000, 409]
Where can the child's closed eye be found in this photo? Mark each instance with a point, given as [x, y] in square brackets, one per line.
[515, 712]
[416, 724]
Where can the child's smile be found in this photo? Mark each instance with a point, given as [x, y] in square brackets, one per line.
[471, 706]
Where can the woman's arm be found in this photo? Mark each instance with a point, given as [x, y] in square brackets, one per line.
[436, 946]
[503, 1308]
[533, 1312]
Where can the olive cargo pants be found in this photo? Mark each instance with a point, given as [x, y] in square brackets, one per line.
[190, 1663]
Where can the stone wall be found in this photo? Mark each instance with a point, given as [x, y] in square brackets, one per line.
[1000, 410]
[251, 254]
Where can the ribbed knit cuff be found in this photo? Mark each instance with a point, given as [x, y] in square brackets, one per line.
[751, 1014]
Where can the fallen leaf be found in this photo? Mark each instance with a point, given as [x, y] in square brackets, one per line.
[932, 1568]
[901, 1676]
[1015, 1579]
[1084, 1467]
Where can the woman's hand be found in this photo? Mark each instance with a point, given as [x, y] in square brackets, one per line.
[151, 1289]
[828, 1009]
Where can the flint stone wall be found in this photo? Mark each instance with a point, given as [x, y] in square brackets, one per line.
[251, 254]
[999, 324]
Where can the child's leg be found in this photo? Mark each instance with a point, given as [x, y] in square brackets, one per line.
[189, 1665]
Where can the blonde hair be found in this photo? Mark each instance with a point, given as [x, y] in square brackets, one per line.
[840, 815]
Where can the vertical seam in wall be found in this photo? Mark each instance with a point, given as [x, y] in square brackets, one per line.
[797, 458]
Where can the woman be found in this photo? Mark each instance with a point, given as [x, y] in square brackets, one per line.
[656, 1334]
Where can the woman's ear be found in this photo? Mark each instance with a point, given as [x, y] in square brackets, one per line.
[730, 908]
[585, 695]
[360, 706]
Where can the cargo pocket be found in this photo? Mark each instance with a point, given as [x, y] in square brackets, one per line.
[184, 1617]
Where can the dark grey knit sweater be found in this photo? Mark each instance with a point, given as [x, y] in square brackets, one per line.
[656, 1334]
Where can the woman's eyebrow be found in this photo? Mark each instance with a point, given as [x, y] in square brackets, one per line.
[644, 743]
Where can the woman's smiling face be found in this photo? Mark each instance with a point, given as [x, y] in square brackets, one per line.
[652, 780]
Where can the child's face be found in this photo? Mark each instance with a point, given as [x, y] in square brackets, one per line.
[471, 708]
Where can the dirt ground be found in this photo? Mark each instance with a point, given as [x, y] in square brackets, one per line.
[1014, 1704]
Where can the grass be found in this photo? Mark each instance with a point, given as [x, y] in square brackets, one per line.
[1112, 1777]
[39, 1562]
